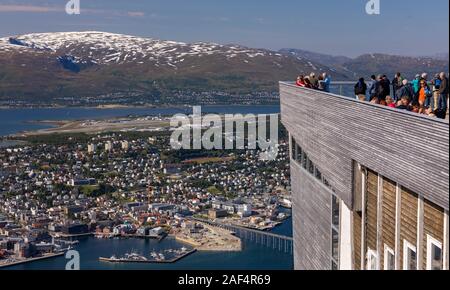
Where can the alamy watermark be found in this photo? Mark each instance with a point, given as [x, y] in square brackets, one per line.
[74, 260]
[228, 132]
[373, 7]
[73, 7]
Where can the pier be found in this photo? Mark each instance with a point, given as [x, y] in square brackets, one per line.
[151, 237]
[29, 260]
[277, 242]
[170, 261]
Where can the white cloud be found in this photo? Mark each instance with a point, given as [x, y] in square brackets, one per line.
[29, 8]
[14, 8]
[135, 14]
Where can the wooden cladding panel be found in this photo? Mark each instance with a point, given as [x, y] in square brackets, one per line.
[433, 225]
[336, 131]
[311, 221]
[371, 210]
[357, 231]
[408, 223]
[388, 216]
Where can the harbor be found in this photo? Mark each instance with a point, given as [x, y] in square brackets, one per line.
[156, 258]
[253, 256]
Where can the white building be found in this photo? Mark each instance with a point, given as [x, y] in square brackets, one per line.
[92, 148]
[244, 210]
[125, 145]
[108, 146]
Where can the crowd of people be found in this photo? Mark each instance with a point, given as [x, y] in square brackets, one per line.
[420, 95]
[322, 82]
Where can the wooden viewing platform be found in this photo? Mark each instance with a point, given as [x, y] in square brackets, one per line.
[365, 178]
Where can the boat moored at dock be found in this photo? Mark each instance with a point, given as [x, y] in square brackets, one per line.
[167, 256]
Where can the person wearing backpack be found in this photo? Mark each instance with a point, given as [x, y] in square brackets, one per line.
[406, 90]
[361, 90]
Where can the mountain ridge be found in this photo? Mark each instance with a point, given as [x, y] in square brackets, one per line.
[100, 65]
[378, 63]
[71, 64]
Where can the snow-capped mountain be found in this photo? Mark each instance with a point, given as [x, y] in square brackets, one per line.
[104, 48]
[90, 64]
[97, 63]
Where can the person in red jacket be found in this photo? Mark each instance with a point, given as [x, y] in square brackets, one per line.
[301, 81]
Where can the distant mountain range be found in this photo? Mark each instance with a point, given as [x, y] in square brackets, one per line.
[47, 66]
[377, 63]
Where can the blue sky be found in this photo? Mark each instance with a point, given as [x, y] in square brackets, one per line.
[339, 27]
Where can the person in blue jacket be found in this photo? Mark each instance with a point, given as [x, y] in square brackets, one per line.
[416, 84]
[326, 82]
[373, 87]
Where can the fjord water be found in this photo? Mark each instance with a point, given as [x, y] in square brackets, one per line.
[252, 257]
[17, 120]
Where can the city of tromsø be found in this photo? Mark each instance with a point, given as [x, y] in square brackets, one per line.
[119, 179]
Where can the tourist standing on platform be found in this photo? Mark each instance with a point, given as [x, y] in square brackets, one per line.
[326, 82]
[386, 86]
[424, 95]
[321, 83]
[384, 89]
[373, 88]
[405, 90]
[416, 84]
[443, 96]
[433, 101]
[397, 83]
[314, 81]
[361, 90]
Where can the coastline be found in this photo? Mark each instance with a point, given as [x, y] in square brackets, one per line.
[2, 266]
[118, 106]
[92, 127]
[202, 248]
[215, 240]
[36, 264]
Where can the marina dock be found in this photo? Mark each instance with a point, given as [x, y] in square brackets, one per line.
[31, 260]
[170, 261]
[151, 237]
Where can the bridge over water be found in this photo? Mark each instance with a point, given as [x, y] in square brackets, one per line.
[270, 240]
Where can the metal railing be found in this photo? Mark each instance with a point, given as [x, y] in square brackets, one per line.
[346, 88]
